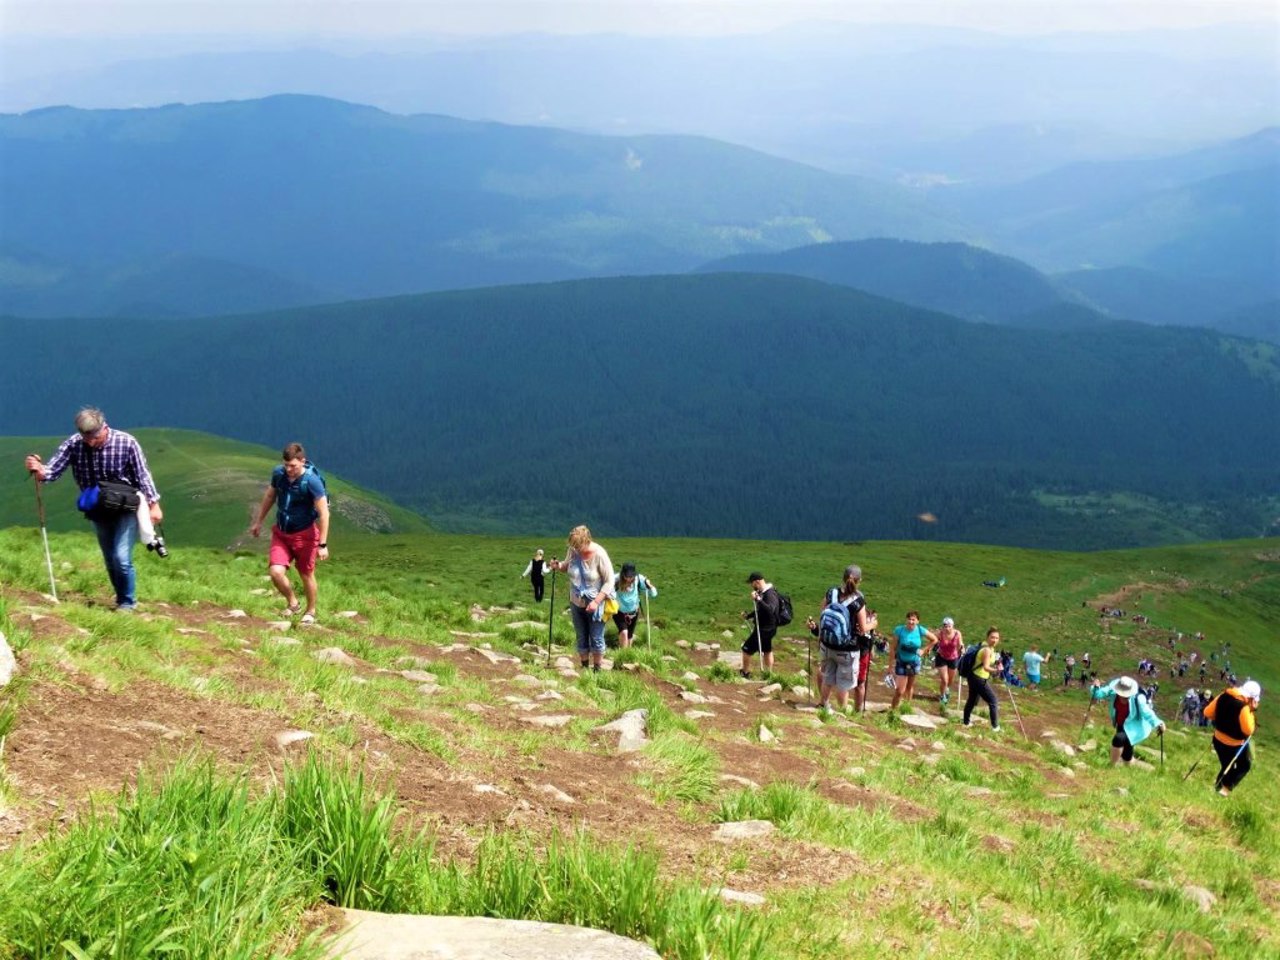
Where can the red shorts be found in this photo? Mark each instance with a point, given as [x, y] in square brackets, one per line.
[298, 547]
[864, 665]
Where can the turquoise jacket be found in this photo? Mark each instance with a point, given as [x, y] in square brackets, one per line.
[1142, 720]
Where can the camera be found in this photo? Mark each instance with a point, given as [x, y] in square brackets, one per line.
[158, 546]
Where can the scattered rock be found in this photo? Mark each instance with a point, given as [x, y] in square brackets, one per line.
[743, 830]
[690, 677]
[1063, 748]
[283, 641]
[692, 696]
[979, 791]
[856, 773]
[682, 644]
[631, 729]
[487, 788]
[259, 592]
[193, 632]
[526, 680]
[1141, 764]
[494, 657]
[521, 624]
[1088, 745]
[478, 613]
[556, 794]
[281, 625]
[414, 663]
[1121, 791]
[8, 662]
[552, 720]
[549, 695]
[1191, 946]
[739, 781]
[1202, 898]
[937, 745]
[698, 714]
[464, 635]
[727, 634]
[419, 676]
[765, 734]
[235, 615]
[771, 689]
[427, 689]
[1048, 734]
[568, 673]
[335, 656]
[153, 727]
[286, 738]
[564, 663]
[347, 614]
[919, 721]
[800, 691]
[737, 896]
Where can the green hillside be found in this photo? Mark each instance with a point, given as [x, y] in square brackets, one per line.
[724, 404]
[450, 766]
[209, 488]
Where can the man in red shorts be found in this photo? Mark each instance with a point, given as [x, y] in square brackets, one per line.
[301, 532]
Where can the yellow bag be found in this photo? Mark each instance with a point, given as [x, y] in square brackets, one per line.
[610, 607]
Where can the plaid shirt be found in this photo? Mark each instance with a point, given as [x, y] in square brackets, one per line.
[120, 458]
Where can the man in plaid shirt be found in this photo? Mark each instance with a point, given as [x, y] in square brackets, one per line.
[96, 452]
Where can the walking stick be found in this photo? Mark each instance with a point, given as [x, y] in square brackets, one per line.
[1088, 709]
[44, 535]
[1227, 769]
[1009, 690]
[1161, 749]
[755, 603]
[551, 613]
[1196, 764]
[808, 676]
[648, 630]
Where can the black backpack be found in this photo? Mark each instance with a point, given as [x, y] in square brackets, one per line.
[784, 609]
[968, 660]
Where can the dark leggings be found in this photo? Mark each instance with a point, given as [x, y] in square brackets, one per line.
[980, 688]
[537, 590]
[1237, 773]
[1121, 742]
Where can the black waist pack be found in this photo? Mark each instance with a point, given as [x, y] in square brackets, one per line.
[109, 496]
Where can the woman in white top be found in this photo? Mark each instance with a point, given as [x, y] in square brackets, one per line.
[590, 583]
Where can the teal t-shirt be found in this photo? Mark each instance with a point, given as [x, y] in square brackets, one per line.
[909, 642]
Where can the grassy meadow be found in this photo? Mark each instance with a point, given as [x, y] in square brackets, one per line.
[967, 844]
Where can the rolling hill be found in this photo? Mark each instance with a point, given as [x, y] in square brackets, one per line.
[727, 404]
[303, 200]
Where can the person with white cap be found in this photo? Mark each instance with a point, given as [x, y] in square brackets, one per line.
[1233, 724]
[1131, 716]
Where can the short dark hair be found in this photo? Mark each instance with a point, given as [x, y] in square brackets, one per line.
[293, 451]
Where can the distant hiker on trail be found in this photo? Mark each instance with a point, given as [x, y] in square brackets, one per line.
[1232, 713]
[987, 663]
[947, 656]
[764, 618]
[300, 534]
[590, 587]
[118, 495]
[1031, 661]
[908, 639]
[844, 640]
[535, 571]
[1132, 718]
[1068, 666]
[628, 586]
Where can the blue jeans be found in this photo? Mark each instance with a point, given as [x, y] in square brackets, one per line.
[590, 631]
[116, 537]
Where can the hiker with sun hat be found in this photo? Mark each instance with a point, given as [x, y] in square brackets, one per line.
[1131, 716]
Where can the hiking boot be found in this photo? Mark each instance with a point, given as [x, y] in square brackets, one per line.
[745, 674]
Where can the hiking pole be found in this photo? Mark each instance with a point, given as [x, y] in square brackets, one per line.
[1227, 769]
[551, 613]
[1161, 749]
[1088, 709]
[44, 535]
[1196, 764]
[759, 646]
[808, 675]
[1009, 690]
[648, 630]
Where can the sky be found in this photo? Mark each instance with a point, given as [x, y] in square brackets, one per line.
[106, 18]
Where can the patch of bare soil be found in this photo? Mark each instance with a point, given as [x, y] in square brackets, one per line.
[78, 737]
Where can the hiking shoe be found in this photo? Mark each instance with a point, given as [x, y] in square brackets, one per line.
[745, 674]
[944, 699]
[1224, 792]
[595, 668]
[125, 608]
[995, 729]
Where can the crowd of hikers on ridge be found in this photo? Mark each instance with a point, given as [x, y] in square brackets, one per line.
[119, 497]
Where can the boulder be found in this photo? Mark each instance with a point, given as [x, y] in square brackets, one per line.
[739, 897]
[920, 721]
[8, 662]
[770, 689]
[743, 830]
[494, 657]
[335, 656]
[384, 936]
[739, 781]
[1063, 748]
[419, 676]
[692, 696]
[631, 730]
[287, 738]
[766, 735]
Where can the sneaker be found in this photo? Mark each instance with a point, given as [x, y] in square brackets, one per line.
[126, 608]
[944, 698]
[595, 668]
[1224, 792]
[584, 664]
[966, 723]
[745, 674]
[995, 729]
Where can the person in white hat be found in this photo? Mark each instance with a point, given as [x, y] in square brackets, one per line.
[1131, 716]
[1231, 713]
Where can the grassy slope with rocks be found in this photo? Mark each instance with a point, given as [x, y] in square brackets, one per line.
[952, 842]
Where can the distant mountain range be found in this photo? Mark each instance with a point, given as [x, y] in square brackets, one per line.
[245, 206]
[231, 206]
[720, 404]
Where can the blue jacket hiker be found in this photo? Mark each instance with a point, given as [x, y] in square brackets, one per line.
[627, 588]
[1132, 717]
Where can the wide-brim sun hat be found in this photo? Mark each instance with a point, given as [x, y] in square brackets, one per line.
[1125, 687]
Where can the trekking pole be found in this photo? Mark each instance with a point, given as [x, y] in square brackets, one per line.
[808, 675]
[44, 535]
[1009, 690]
[551, 613]
[1196, 764]
[1227, 769]
[648, 629]
[1088, 709]
[1161, 749]
[759, 646]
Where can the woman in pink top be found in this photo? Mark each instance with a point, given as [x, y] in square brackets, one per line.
[946, 657]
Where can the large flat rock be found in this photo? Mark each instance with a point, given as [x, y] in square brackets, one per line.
[395, 936]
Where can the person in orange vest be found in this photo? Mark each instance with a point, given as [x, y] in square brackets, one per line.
[1233, 724]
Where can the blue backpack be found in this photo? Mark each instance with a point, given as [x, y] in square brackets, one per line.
[968, 660]
[281, 484]
[834, 627]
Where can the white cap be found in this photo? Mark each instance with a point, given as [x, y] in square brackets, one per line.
[1251, 690]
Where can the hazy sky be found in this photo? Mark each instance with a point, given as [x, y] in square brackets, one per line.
[376, 17]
